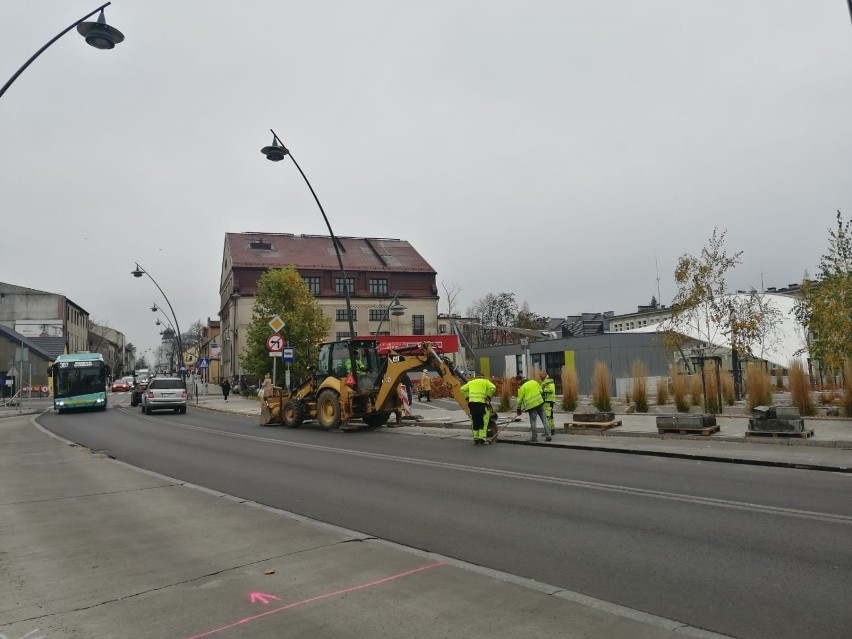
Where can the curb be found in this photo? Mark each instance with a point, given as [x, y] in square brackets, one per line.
[677, 455]
[690, 456]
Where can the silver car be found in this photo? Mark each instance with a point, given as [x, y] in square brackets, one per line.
[164, 393]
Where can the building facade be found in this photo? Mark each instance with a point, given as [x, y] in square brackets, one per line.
[23, 363]
[35, 313]
[617, 350]
[113, 346]
[378, 270]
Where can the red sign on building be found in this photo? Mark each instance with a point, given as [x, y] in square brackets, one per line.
[442, 343]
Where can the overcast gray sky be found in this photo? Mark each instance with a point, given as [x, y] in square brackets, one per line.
[554, 149]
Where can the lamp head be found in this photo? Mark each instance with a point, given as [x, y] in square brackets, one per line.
[99, 34]
[154, 308]
[397, 309]
[137, 272]
[276, 151]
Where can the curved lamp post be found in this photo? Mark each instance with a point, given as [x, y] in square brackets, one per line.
[395, 308]
[97, 34]
[139, 272]
[275, 153]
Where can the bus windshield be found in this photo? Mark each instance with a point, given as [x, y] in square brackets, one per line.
[73, 380]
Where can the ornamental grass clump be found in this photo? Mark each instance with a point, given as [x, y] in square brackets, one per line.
[505, 394]
[639, 392]
[758, 385]
[695, 390]
[728, 394]
[800, 389]
[570, 389]
[600, 388]
[662, 391]
[680, 391]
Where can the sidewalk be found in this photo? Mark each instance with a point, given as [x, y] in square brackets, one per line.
[830, 448]
[95, 548]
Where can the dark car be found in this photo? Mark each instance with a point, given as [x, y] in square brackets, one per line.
[138, 389]
[164, 393]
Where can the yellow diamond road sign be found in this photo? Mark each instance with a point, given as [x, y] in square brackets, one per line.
[276, 323]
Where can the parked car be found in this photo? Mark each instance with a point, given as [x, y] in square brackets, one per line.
[164, 393]
[120, 385]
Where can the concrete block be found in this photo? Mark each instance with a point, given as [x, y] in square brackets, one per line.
[594, 417]
[686, 421]
[793, 425]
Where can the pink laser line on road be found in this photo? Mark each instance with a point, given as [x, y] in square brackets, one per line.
[317, 598]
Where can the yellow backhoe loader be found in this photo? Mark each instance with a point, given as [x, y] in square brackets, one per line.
[353, 381]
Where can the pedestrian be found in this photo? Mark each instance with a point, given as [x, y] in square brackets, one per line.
[548, 394]
[479, 392]
[226, 388]
[267, 386]
[530, 400]
[425, 386]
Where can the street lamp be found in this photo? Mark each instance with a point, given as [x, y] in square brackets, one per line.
[394, 308]
[232, 329]
[139, 272]
[275, 153]
[97, 34]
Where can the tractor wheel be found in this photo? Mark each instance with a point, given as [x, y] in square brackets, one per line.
[293, 413]
[374, 420]
[328, 409]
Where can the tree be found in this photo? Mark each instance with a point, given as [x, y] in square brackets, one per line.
[194, 336]
[702, 305]
[493, 310]
[825, 306]
[452, 292]
[282, 292]
[752, 327]
[528, 319]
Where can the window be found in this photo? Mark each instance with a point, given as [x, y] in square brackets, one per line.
[342, 316]
[313, 284]
[378, 314]
[338, 285]
[380, 333]
[342, 336]
[418, 324]
[378, 287]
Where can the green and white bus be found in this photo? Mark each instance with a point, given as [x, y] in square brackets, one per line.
[79, 381]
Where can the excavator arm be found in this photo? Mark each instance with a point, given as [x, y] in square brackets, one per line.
[405, 360]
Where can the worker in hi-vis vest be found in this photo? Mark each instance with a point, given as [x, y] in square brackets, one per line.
[530, 400]
[548, 394]
[479, 392]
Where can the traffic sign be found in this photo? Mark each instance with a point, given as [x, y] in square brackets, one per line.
[276, 323]
[288, 354]
[274, 343]
[203, 362]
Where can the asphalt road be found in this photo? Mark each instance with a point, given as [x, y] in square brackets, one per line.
[741, 550]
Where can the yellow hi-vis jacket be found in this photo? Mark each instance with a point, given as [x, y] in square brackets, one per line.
[548, 389]
[529, 395]
[476, 390]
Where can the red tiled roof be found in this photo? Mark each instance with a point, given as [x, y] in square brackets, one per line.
[317, 252]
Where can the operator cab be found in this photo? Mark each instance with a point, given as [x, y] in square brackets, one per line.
[334, 360]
